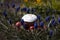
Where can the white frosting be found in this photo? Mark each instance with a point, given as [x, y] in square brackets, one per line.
[29, 18]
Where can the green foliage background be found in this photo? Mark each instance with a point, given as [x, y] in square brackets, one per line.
[9, 32]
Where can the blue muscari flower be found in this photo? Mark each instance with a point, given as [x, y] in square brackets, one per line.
[5, 13]
[22, 21]
[50, 33]
[25, 26]
[32, 10]
[38, 16]
[10, 21]
[13, 5]
[41, 24]
[58, 20]
[35, 25]
[47, 18]
[17, 9]
[24, 9]
[28, 10]
[53, 22]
